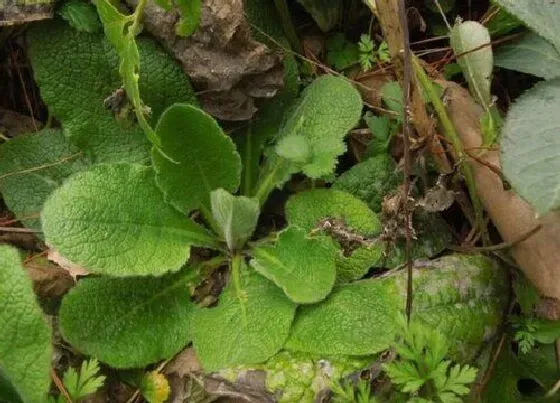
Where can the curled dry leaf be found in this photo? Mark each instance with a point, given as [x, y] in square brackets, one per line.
[539, 255]
[242, 69]
[49, 280]
[73, 269]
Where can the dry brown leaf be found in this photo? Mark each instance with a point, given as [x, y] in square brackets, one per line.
[73, 269]
[49, 280]
[539, 255]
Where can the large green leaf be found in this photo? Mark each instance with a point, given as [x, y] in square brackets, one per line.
[31, 167]
[370, 180]
[303, 267]
[463, 296]
[530, 146]
[351, 221]
[77, 71]
[112, 220]
[308, 209]
[322, 124]
[25, 337]
[243, 332]
[128, 322]
[531, 54]
[203, 158]
[235, 215]
[542, 16]
[356, 319]
[476, 64]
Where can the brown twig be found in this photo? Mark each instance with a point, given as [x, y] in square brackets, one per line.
[22, 230]
[500, 246]
[407, 72]
[60, 386]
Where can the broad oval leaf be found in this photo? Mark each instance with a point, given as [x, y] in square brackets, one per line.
[463, 296]
[204, 158]
[356, 319]
[370, 180]
[542, 16]
[113, 220]
[303, 267]
[77, 73]
[468, 39]
[307, 209]
[326, 111]
[25, 337]
[235, 215]
[128, 322]
[31, 167]
[531, 54]
[530, 146]
[243, 332]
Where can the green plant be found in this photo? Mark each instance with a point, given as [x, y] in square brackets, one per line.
[347, 392]
[83, 382]
[153, 222]
[422, 370]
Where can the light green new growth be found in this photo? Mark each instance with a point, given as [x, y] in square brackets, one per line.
[80, 384]
[203, 158]
[221, 336]
[113, 220]
[31, 167]
[129, 322]
[236, 217]
[317, 125]
[303, 267]
[25, 337]
[121, 31]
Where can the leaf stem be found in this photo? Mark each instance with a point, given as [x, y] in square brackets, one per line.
[138, 13]
[268, 184]
[288, 25]
[235, 274]
[452, 136]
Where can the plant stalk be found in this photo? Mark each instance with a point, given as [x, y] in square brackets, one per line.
[452, 136]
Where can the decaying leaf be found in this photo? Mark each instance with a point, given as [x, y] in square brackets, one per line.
[49, 280]
[227, 66]
[539, 255]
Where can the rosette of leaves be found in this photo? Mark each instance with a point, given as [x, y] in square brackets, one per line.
[126, 220]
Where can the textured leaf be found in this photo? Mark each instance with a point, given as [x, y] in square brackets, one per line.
[81, 16]
[77, 71]
[31, 167]
[25, 337]
[462, 296]
[501, 22]
[323, 123]
[121, 32]
[341, 53]
[356, 319]
[476, 64]
[303, 267]
[307, 209]
[112, 220]
[530, 146]
[204, 158]
[236, 215]
[370, 180]
[128, 322]
[392, 95]
[531, 54]
[542, 16]
[224, 336]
